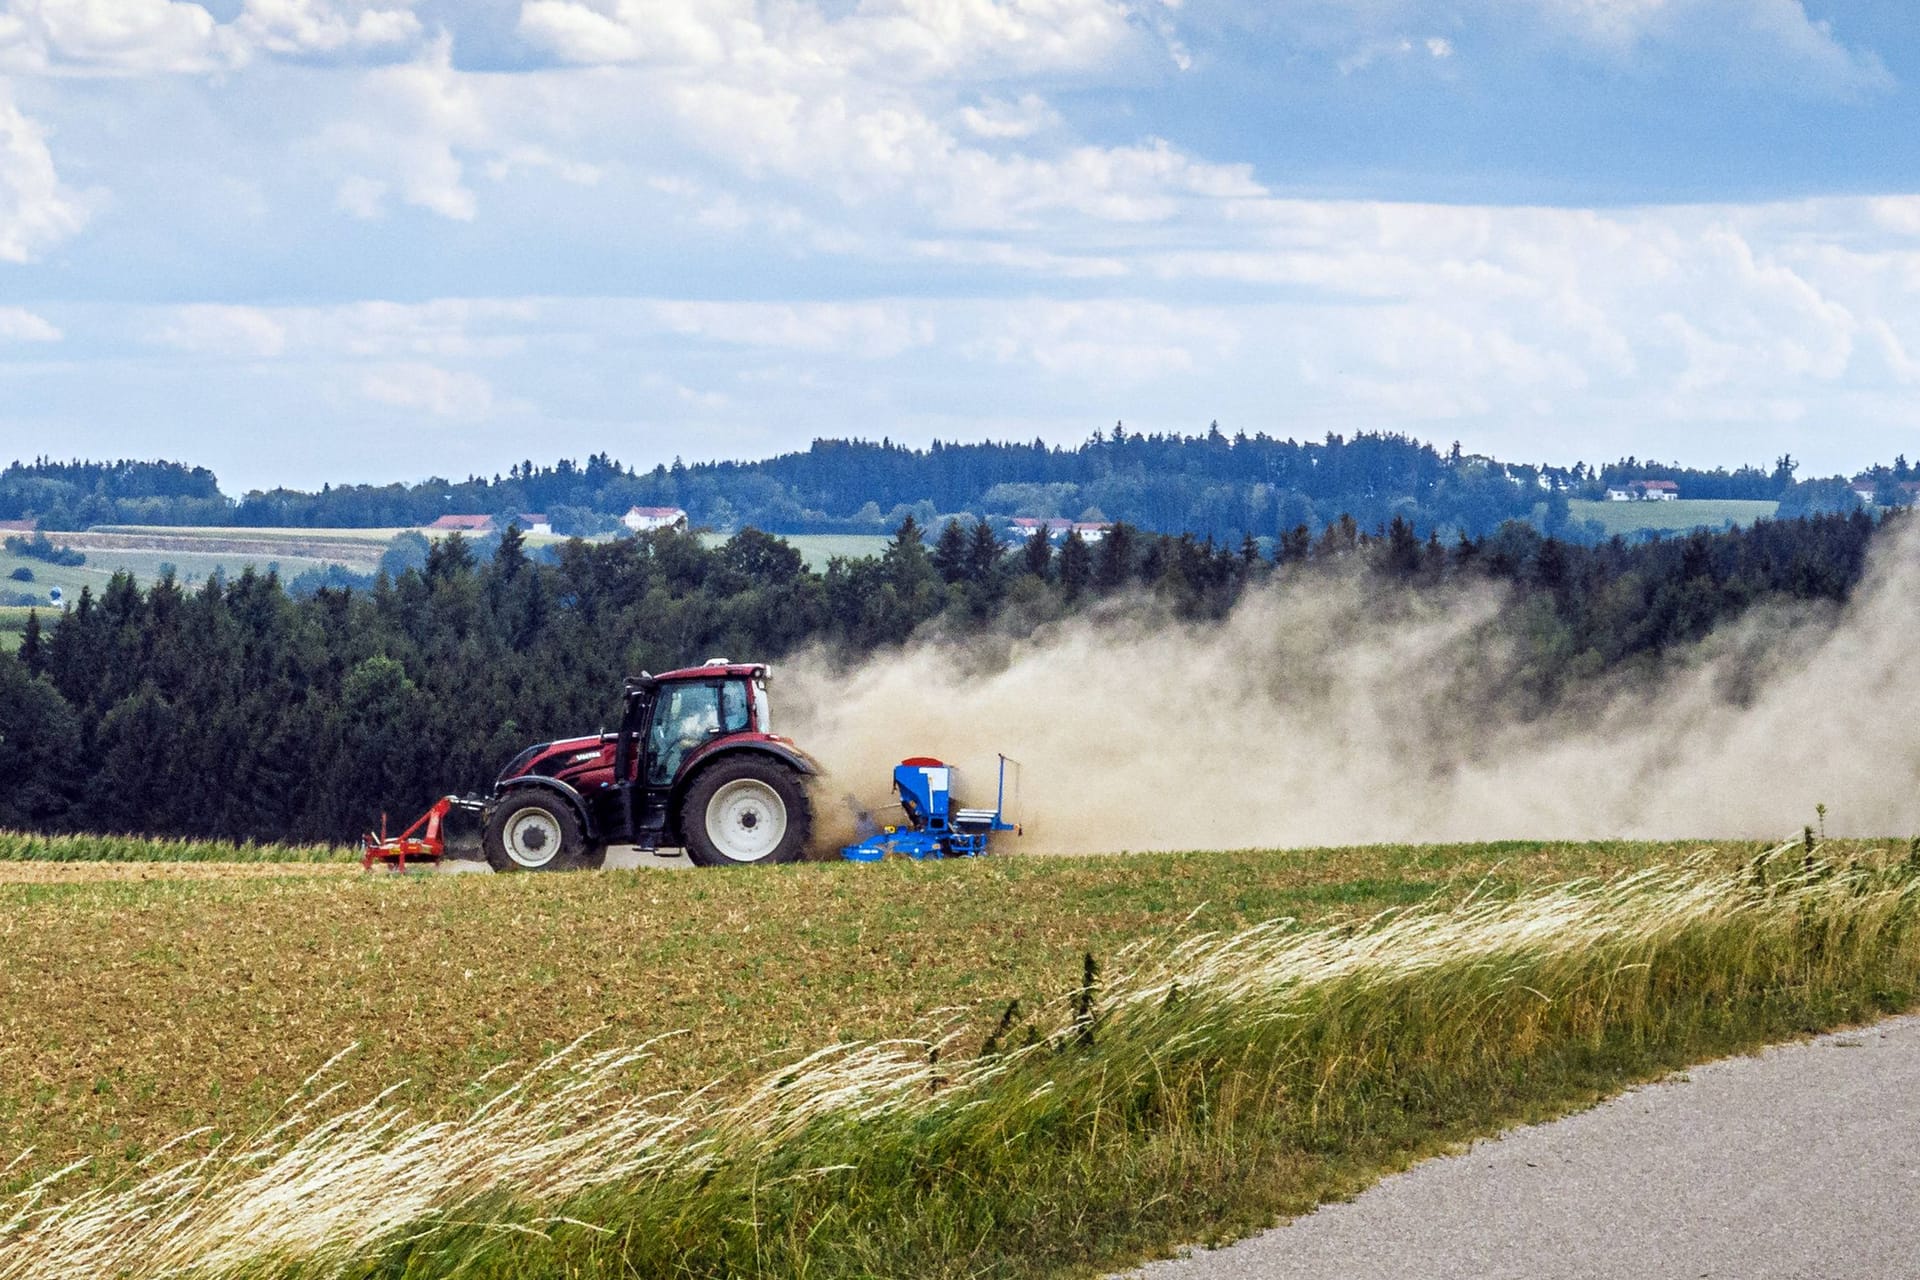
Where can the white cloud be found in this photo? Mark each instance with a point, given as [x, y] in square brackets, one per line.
[17, 324]
[877, 106]
[1373, 51]
[575, 33]
[299, 28]
[361, 196]
[683, 32]
[428, 388]
[413, 126]
[864, 330]
[1349, 314]
[1773, 42]
[1899, 214]
[1000, 118]
[138, 37]
[37, 210]
[888, 40]
[921, 39]
[1716, 331]
[448, 328]
[1032, 260]
[1613, 22]
[1769, 39]
[867, 153]
[521, 157]
[115, 35]
[228, 331]
[1669, 315]
[1115, 341]
[455, 328]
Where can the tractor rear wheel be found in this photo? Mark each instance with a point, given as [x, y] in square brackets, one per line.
[534, 831]
[746, 811]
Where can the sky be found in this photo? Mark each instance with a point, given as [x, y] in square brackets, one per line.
[306, 241]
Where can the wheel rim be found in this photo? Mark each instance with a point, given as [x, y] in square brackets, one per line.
[746, 820]
[532, 838]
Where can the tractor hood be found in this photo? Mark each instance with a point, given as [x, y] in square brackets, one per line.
[561, 756]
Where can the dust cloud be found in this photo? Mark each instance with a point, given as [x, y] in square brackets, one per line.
[1328, 711]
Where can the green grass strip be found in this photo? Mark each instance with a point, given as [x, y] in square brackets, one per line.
[21, 846]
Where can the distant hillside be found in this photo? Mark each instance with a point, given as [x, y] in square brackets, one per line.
[1213, 485]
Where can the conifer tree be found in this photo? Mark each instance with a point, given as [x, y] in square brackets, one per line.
[449, 557]
[510, 557]
[1403, 548]
[1037, 556]
[1296, 544]
[950, 553]
[1076, 565]
[32, 653]
[906, 561]
[983, 555]
[1114, 564]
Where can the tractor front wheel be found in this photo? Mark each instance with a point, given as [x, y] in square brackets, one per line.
[746, 811]
[537, 832]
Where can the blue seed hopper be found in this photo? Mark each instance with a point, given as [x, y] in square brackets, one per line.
[934, 829]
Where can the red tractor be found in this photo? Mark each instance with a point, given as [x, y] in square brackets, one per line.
[693, 765]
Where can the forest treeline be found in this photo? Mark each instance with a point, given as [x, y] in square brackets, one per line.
[1212, 485]
[236, 710]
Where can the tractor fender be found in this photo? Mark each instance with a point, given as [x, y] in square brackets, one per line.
[798, 761]
[537, 782]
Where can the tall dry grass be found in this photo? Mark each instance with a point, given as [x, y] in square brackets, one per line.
[1182, 1084]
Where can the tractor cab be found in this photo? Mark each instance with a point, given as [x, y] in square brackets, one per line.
[668, 719]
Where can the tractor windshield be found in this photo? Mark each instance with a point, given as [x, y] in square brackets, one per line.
[686, 717]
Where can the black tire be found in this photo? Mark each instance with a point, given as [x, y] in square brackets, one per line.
[746, 811]
[525, 825]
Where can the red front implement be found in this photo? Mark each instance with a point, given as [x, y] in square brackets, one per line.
[424, 841]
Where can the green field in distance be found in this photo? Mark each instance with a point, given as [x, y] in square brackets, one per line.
[1685, 514]
[818, 548]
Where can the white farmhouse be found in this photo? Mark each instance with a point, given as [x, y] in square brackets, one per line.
[1645, 491]
[648, 519]
[1025, 527]
[1090, 531]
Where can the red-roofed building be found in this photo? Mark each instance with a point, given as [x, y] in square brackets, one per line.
[648, 519]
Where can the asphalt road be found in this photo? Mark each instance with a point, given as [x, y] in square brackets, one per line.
[1802, 1162]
